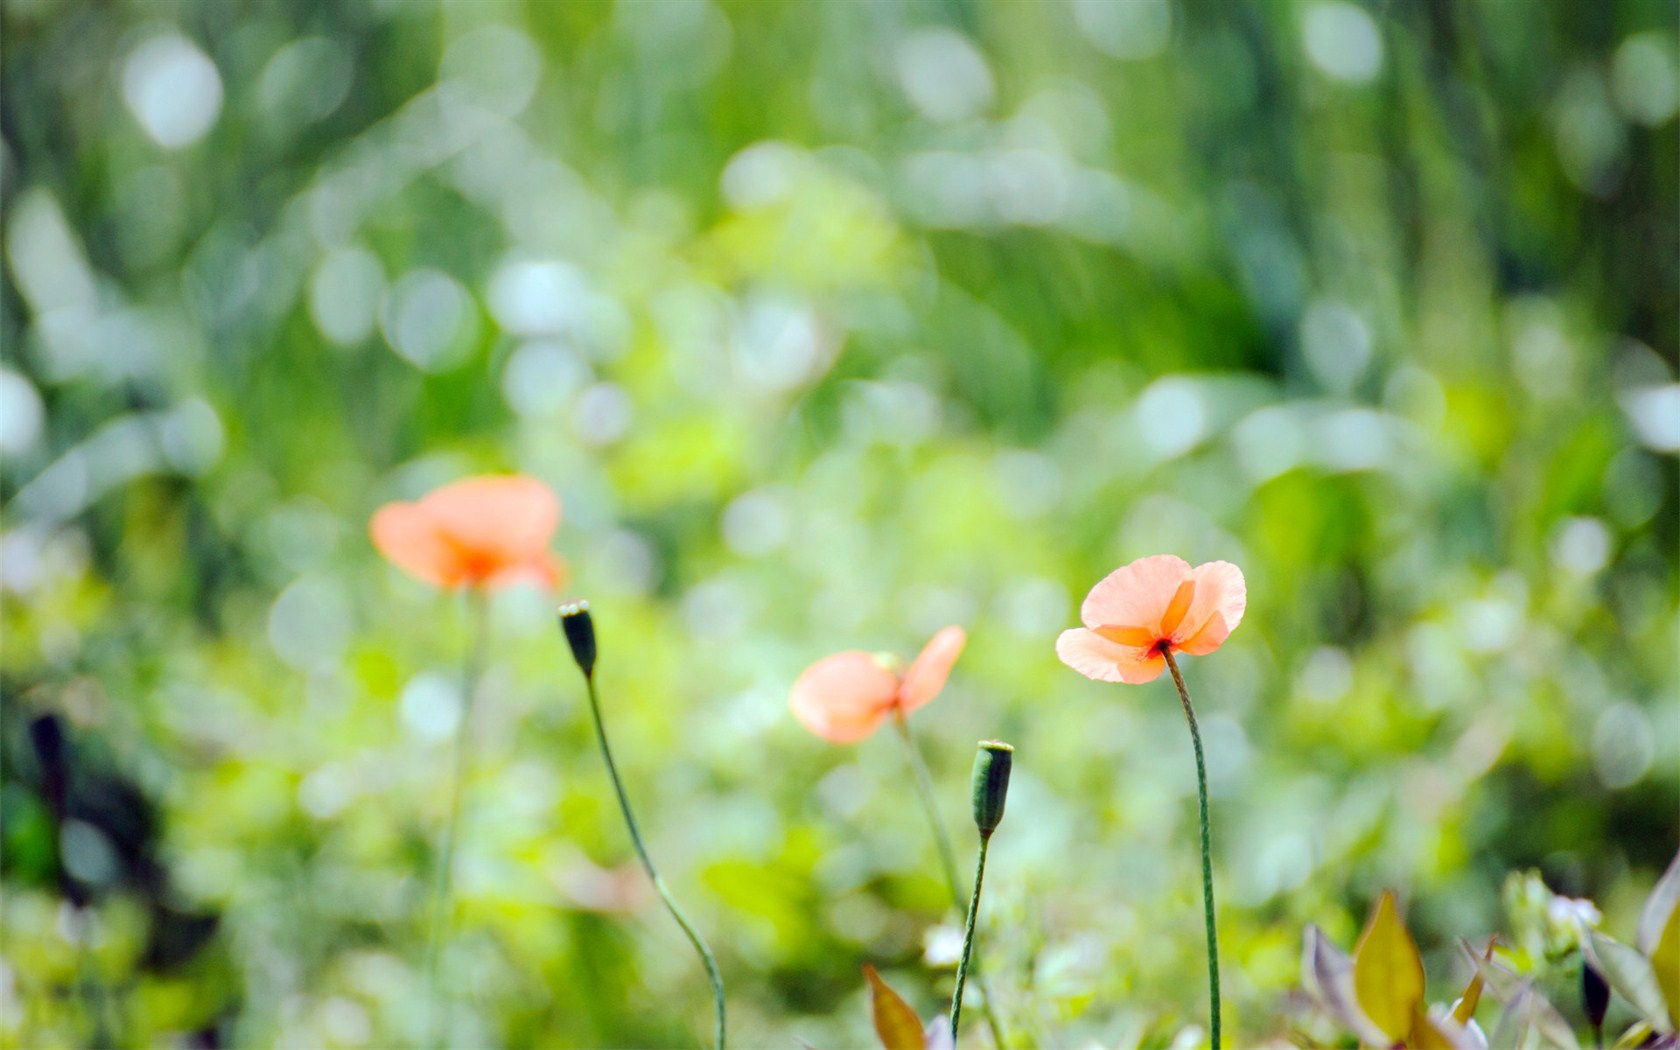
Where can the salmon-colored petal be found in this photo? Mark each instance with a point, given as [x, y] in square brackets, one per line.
[408, 537]
[1136, 637]
[1096, 657]
[548, 570]
[844, 697]
[1210, 637]
[495, 521]
[1221, 596]
[1180, 604]
[927, 674]
[1135, 595]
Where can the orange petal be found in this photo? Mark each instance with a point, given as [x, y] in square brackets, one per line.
[1221, 596]
[1096, 657]
[408, 537]
[1135, 595]
[927, 674]
[844, 697]
[1135, 637]
[547, 569]
[496, 522]
[1210, 637]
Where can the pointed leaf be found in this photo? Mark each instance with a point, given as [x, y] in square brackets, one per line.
[896, 1024]
[1465, 1008]
[1665, 960]
[1327, 972]
[1659, 909]
[1387, 972]
[1631, 975]
[1659, 935]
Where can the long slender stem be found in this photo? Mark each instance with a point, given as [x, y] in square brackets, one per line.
[1207, 850]
[947, 859]
[443, 912]
[653, 875]
[968, 937]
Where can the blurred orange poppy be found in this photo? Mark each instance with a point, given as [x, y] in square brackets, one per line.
[1139, 611]
[845, 697]
[485, 531]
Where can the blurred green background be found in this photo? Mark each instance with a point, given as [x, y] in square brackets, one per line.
[831, 324]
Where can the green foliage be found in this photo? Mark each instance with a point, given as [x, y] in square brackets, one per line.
[831, 324]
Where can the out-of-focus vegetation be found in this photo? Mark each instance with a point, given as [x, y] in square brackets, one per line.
[831, 324]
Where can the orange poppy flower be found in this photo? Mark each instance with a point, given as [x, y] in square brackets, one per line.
[845, 697]
[485, 531]
[1139, 611]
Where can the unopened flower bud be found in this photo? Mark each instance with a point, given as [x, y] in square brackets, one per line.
[46, 732]
[579, 627]
[991, 784]
[1595, 993]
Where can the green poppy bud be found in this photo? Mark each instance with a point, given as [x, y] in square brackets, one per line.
[579, 627]
[991, 784]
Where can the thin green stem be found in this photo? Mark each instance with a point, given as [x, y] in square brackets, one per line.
[968, 937]
[1207, 849]
[947, 858]
[90, 988]
[694, 937]
[443, 912]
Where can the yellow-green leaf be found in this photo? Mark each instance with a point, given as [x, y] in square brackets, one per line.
[1659, 909]
[1659, 936]
[896, 1023]
[1387, 972]
[1665, 960]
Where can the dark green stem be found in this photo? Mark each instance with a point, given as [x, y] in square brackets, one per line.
[443, 913]
[647, 863]
[1207, 849]
[947, 859]
[968, 937]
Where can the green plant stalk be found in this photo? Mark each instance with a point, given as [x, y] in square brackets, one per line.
[653, 875]
[947, 860]
[443, 914]
[1207, 850]
[968, 937]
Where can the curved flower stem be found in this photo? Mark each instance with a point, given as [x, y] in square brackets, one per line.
[968, 937]
[1207, 851]
[947, 859]
[443, 912]
[653, 875]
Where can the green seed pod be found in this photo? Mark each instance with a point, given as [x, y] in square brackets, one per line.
[991, 784]
[580, 635]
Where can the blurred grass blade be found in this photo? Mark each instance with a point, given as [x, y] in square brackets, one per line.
[1387, 972]
[1525, 1009]
[896, 1023]
[1465, 1008]
[1514, 1021]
